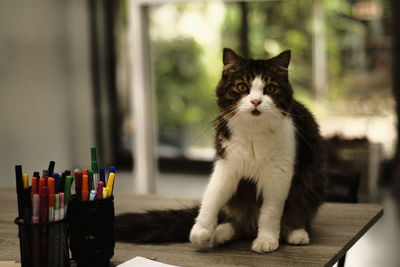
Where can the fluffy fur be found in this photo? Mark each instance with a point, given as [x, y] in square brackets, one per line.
[268, 177]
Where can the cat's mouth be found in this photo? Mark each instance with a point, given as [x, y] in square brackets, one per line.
[255, 112]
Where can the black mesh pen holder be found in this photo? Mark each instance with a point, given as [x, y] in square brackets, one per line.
[43, 244]
[91, 231]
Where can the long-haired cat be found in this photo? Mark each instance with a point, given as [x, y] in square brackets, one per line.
[268, 178]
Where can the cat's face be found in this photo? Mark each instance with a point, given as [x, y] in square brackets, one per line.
[254, 88]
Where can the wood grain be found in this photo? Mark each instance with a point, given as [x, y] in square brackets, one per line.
[336, 228]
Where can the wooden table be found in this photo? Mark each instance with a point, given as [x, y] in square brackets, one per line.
[336, 228]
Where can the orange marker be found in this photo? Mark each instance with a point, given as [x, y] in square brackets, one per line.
[51, 185]
[86, 171]
[85, 190]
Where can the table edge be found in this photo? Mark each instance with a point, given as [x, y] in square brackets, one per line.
[355, 238]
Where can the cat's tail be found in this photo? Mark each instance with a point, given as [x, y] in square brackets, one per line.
[159, 226]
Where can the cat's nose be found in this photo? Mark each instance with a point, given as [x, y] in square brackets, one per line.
[256, 102]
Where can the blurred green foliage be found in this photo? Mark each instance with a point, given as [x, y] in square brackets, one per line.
[187, 71]
[184, 98]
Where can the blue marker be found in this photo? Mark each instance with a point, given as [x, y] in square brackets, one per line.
[56, 177]
[103, 175]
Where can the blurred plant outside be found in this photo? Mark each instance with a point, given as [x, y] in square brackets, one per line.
[187, 41]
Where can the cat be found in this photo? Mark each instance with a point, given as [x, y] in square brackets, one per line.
[268, 179]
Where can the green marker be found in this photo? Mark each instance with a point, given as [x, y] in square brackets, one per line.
[93, 154]
[67, 192]
[90, 182]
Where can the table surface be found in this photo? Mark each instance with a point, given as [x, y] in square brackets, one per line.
[335, 229]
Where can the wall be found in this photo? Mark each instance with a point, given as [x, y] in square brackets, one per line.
[45, 102]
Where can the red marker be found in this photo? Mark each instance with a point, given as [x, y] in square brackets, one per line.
[85, 189]
[78, 183]
[42, 183]
[99, 194]
[44, 204]
[35, 186]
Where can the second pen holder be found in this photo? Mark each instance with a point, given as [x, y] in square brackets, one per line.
[91, 231]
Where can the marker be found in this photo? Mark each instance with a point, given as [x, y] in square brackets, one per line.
[50, 169]
[100, 187]
[67, 192]
[84, 189]
[62, 201]
[51, 188]
[25, 180]
[56, 177]
[42, 183]
[93, 161]
[44, 204]
[90, 183]
[95, 179]
[51, 207]
[111, 170]
[103, 175]
[35, 230]
[92, 195]
[26, 197]
[62, 182]
[45, 173]
[44, 216]
[78, 184]
[35, 208]
[110, 184]
[86, 171]
[104, 193]
[57, 207]
[51, 185]
[36, 174]
[19, 187]
[35, 186]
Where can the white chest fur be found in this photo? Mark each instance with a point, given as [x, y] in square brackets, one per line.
[257, 147]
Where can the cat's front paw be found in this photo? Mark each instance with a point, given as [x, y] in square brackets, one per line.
[200, 235]
[265, 244]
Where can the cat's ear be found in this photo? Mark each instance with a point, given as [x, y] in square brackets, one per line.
[230, 57]
[282, 60]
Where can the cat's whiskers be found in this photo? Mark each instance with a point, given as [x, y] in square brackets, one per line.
[214, 124]
[278, 113]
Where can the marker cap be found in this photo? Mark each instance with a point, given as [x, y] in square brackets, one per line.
[25, 180]
[93, 153]
[110, 184]
[100, 187]
[92, 195]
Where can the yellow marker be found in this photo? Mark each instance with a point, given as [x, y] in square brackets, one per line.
[25, 180]
[110, 184]
[104, 193]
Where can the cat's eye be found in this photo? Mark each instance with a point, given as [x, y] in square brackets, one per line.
[242, 87]
[270, 89]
